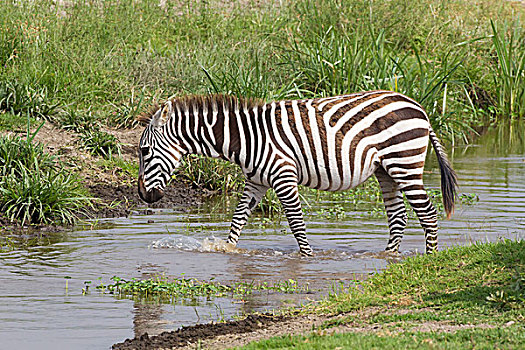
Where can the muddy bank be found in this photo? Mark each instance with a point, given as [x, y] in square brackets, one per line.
[194, 334]
[117, 200]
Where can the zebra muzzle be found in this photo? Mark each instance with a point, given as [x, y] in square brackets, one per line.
[150, 196]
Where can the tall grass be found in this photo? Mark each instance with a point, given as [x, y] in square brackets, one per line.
[98, 55]
[338, 62]
[34, 188]
[211, 174]
[509, 77]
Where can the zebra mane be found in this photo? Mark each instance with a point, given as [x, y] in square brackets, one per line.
[185, 102]
[145, 117]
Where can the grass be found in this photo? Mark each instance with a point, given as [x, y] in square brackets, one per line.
[164, 290]
[98, 142]
[508, 338]
[212, 174]
[138, 52]
[510, 71]
[482, 285]
[34, 187]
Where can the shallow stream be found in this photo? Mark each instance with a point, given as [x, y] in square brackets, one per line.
[38, 311]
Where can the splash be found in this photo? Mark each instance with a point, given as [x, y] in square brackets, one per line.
[182, 243]
[212, 244]
[219, 245]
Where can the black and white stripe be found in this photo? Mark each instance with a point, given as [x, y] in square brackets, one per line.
[332, 144]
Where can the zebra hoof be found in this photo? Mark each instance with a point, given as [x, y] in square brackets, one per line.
[392, 250]
[306, 253]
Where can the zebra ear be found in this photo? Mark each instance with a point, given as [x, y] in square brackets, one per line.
[160, 118]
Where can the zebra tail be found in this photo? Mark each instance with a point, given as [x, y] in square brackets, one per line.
[449, 181]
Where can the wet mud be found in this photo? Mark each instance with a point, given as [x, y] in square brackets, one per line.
[119, 200]
[194, 334]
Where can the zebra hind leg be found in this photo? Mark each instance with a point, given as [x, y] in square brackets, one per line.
[395, 209]
[417, 197]
[287, 192]
[251, 196]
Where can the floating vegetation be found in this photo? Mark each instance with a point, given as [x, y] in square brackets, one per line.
[164, 290]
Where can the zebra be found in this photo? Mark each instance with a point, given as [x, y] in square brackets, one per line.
[331, 143]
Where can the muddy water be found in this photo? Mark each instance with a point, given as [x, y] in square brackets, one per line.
[37, 311]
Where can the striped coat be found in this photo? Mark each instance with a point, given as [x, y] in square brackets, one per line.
[333, 144]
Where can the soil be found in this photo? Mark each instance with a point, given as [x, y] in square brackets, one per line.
[196, 334]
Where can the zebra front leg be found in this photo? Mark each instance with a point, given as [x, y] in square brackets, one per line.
[395, 209]
[287, 192]
[251, 196]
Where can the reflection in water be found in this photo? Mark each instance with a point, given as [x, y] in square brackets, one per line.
[38, 312]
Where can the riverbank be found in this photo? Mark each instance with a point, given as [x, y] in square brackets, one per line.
[462, 297]
[110, 183]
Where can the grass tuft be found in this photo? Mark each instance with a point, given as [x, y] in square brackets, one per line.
[34, 188]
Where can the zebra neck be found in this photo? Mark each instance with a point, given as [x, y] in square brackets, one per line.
[213, 130]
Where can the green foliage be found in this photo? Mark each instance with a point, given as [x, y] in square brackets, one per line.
[18, 155]
[12, 122]
[116, 164]
[252, 79]
[162, 289]
[76, 120]
[509, 74]
[41, 197]
[19, 99]
[98, 142]
[34, 188]
[123, 116]
[473, 282]
[499, 338]
[211, 174]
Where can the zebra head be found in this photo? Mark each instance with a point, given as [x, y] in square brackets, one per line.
[159, 153]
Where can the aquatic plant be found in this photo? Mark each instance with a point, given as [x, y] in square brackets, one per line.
[162, 289]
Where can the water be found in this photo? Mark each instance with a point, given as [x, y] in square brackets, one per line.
[37, 311]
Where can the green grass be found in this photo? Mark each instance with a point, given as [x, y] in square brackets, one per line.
[34, 187]
[481, 285]
[211, 174]
[12, 122]
[114, 57]
[459, 279]
[508, 338]
[510, 70]
[100, 143]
